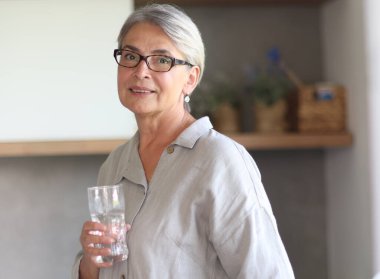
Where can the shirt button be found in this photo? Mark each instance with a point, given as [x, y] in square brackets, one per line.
[170, 149]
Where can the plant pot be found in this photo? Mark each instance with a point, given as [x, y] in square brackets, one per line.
[226, 119]
[270, 119]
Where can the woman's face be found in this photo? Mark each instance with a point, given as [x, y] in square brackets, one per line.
[149, 93]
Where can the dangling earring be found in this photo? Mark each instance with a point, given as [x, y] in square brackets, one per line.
[187, 98]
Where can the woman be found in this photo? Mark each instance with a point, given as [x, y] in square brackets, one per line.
[195, 202]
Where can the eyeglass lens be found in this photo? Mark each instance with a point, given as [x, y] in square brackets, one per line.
[157, 63]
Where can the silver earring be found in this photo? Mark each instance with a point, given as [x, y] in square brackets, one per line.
[187, 98]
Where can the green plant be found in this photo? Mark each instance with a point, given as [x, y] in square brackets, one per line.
[202, 102]
[213, 92]
[224, 90]
[268, 89]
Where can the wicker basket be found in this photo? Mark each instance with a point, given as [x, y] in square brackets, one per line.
[321, 108]
[226, 119]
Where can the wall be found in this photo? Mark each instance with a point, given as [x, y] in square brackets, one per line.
[235, 37]
[372, 21]
[40, 190]
[348, 171]
[294, 181]
[56, 60]
[43, 203]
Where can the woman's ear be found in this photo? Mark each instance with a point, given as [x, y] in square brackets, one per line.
[192, 79]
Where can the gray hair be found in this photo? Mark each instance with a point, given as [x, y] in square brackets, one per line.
[178, 26]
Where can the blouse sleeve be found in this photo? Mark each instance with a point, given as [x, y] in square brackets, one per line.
[75, 269]
[255, 250]
[243, 229]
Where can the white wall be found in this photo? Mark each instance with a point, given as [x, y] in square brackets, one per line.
[57, 73]
[57, 81]
[349, 184]
[372, 11]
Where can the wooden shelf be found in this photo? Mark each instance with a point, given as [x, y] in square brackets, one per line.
[139, 3]
[251, 141]
[57, 148]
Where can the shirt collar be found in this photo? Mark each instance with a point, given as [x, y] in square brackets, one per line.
[191, 134]
[133, 169]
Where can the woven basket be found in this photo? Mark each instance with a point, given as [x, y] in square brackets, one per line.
[321, 108]
[270, 119]
[226, 119]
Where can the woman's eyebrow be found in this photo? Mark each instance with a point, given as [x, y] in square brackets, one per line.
[130, 47]
[161, 51]
[156, 51]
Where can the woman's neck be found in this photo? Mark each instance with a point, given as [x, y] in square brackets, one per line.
[160, 131]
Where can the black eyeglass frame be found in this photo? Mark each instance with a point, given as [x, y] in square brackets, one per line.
[175, 61]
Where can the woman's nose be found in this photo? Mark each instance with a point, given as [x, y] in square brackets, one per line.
[142, 70]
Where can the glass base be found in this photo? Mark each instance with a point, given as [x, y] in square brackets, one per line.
[111, 259]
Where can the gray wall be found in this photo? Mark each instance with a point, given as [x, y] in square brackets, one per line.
[241, 35]
[294, 181]
[43, 199]
[43, 203]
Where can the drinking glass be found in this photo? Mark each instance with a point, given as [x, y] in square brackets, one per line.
[107, 206]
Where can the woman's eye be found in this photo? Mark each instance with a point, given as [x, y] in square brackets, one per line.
[129, 57]
[164, 60]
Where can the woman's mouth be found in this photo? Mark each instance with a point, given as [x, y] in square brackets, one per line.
[140, 90]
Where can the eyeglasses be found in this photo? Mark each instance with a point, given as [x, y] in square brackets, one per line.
[157, 63]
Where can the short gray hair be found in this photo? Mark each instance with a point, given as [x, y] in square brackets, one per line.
[178, 26]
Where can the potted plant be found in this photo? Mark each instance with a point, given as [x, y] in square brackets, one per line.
[268, 92]
[269, 96]
[218, 98]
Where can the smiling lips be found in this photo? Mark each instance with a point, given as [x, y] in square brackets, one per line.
[140, 90]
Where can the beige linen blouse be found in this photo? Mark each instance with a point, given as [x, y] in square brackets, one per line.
[204, 214]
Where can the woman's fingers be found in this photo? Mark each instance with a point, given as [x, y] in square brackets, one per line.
[96, 240]
[93, 226]
[89, 240]
[93, 240]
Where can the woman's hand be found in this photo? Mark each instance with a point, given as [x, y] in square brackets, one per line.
[92, 235]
